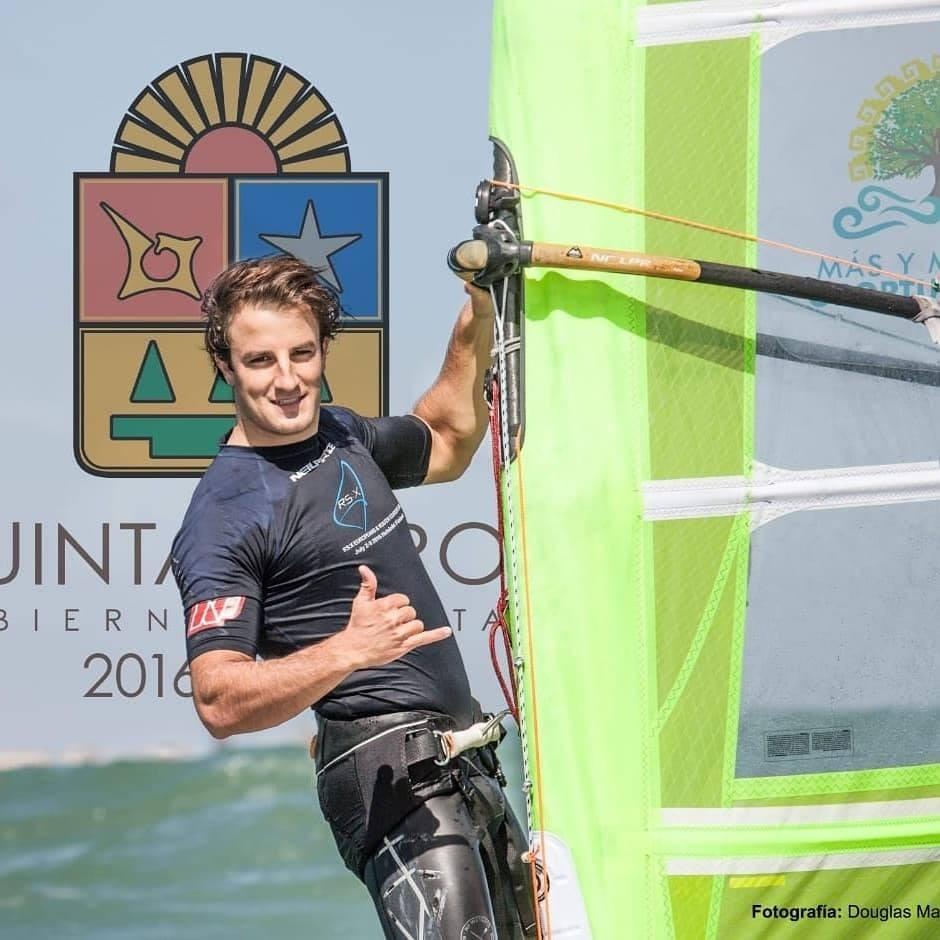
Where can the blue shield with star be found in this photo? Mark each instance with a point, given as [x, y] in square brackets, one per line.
[336, 223]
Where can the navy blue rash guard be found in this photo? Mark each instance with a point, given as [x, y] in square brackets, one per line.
[266, 559]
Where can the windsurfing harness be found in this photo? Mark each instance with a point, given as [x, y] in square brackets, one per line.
[372, 772]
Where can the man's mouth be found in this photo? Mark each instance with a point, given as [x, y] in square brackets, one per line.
[287, 402]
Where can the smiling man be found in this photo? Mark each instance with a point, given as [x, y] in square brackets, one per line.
[303, 589]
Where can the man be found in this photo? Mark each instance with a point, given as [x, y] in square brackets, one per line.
[302, 588]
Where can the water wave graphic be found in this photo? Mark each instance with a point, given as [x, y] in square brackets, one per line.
[877, 209]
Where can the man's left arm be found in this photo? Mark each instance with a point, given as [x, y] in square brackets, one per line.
[454, 407]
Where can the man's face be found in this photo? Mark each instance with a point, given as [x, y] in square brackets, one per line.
[276, 368]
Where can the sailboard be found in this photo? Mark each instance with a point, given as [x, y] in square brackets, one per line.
[720, 508]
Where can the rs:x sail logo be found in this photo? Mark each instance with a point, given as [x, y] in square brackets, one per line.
[349, 510]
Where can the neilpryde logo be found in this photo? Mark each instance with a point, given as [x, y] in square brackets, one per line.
[899, 138]
[222, 157]
[350, 507]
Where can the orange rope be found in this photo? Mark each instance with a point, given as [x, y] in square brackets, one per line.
[717, 230]
[535, 708]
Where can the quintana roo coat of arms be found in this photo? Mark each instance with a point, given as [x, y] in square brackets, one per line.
[222, 157]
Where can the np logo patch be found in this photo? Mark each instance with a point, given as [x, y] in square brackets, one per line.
[223, 157]
[215, 613]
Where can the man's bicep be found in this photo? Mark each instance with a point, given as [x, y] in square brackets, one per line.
[214, 674]
[443, 460]
[211, 663]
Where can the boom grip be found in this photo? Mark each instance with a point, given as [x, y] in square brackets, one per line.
[467, 258]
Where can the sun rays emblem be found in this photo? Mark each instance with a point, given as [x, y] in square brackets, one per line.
[219, 158]
[230, 113]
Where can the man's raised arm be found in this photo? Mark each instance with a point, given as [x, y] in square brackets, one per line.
[453, 407]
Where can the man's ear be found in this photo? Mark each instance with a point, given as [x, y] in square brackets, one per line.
[225, 369]
[325, 346]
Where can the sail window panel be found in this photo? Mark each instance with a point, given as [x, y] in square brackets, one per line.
[839, 639]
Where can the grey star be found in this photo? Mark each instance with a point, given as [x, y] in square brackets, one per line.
[310, 246]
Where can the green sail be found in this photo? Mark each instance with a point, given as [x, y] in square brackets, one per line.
[632, 632]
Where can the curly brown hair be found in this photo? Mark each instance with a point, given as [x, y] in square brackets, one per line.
[281, 281]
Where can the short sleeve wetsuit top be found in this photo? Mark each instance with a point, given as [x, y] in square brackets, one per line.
[266, 559]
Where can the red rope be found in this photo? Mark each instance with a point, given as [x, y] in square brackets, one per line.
[499, 625]
[509, 690]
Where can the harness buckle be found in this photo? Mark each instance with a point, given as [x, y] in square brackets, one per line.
[442, 742]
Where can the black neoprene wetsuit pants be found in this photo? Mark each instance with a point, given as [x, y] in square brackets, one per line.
[452, 870]
[436, 843]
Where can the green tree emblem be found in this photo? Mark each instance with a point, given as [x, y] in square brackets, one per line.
[907, 138]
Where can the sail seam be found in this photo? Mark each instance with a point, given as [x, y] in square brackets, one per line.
[773, 20]
[772, 491]
[782, 863]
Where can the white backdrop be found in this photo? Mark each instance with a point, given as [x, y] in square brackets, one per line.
[409, 83]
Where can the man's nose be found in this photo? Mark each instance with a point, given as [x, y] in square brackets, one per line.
[285, 376]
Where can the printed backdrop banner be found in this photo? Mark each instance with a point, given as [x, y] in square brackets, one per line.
[139, 164]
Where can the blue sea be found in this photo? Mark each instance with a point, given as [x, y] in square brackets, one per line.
[227, 845]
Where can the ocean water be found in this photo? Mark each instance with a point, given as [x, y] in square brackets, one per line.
[230, 845]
